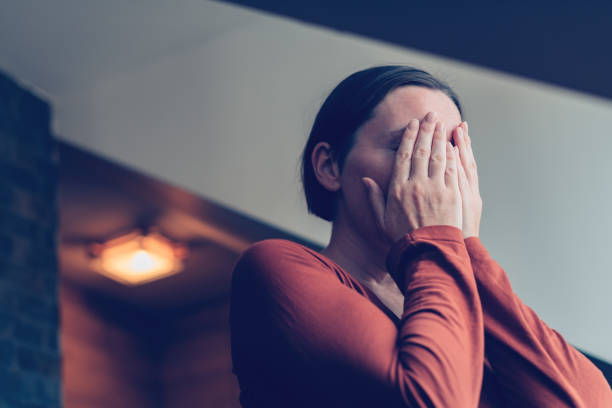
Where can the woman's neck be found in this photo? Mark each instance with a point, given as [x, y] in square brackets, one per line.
[363, 258]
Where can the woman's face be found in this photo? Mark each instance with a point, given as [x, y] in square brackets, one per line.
[376, 142]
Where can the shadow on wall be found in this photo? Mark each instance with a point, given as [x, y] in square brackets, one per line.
[117, 355]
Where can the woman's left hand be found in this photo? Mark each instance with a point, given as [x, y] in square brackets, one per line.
[468, 182]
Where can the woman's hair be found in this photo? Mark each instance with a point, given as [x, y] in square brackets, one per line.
[348, 107]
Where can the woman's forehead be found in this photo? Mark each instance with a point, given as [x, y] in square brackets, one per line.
[393, 113]
[409, 102]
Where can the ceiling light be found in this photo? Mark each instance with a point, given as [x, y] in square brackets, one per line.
[136, 257]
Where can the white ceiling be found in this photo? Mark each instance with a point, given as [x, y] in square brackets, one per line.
[59, 45]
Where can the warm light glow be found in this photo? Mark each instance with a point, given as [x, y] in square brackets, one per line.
[134, 259]
[142, 261]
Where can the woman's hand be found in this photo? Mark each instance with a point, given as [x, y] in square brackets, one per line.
[468, 182]
[424, 187]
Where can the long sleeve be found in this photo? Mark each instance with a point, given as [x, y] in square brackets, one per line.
[533, 363]
[319, 343]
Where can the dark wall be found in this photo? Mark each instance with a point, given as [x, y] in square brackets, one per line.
[196, 362]
[118, 355]
[105, 358]
[29, 346]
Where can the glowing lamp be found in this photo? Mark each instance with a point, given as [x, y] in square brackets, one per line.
[136, 258]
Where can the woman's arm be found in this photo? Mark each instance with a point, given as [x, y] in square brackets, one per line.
[535, 366]
[435, 356]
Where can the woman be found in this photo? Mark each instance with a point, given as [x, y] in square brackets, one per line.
[404, 307]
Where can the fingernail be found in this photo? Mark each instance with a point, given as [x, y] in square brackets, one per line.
[466, 125]
[413, 124]
[365, 183]
[430, 116]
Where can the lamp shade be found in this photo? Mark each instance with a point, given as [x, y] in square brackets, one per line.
[136, 258]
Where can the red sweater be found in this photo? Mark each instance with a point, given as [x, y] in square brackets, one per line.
[305, 333]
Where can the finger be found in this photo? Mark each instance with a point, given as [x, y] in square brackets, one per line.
[460, 143]
[471, 168]
[468, 139]
[403, 157]
[377, 202]
[422, 148]
[450, 173]
[437, 160]
[462, 178]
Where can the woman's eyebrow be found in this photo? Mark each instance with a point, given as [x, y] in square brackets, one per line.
[394, 134]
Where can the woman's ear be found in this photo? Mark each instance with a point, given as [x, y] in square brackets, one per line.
[325, 167]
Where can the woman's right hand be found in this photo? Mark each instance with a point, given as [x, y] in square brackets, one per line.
[424, 188]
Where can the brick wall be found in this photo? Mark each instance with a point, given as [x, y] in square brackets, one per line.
[29, 346]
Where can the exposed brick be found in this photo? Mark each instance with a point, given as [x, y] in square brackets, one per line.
[15, 152]
[7, 353]
[7, 324]
[32, 360]
[48, 389]
[35, 308]
[27, 280]
[20, 178]
[35, 114]
[9, 274]
[40, 281]
[41, 260]
[50, 283]
[32, 250]
[22, 404]
[7, 196]
[23, 110]
[8, 297]
[52, 341]
[11, 385]
[13, 224]
[27, 206]
[19, 253]
[34, 390]
[23, 389]
[6, 246]
[29, 347]
[29, 334]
